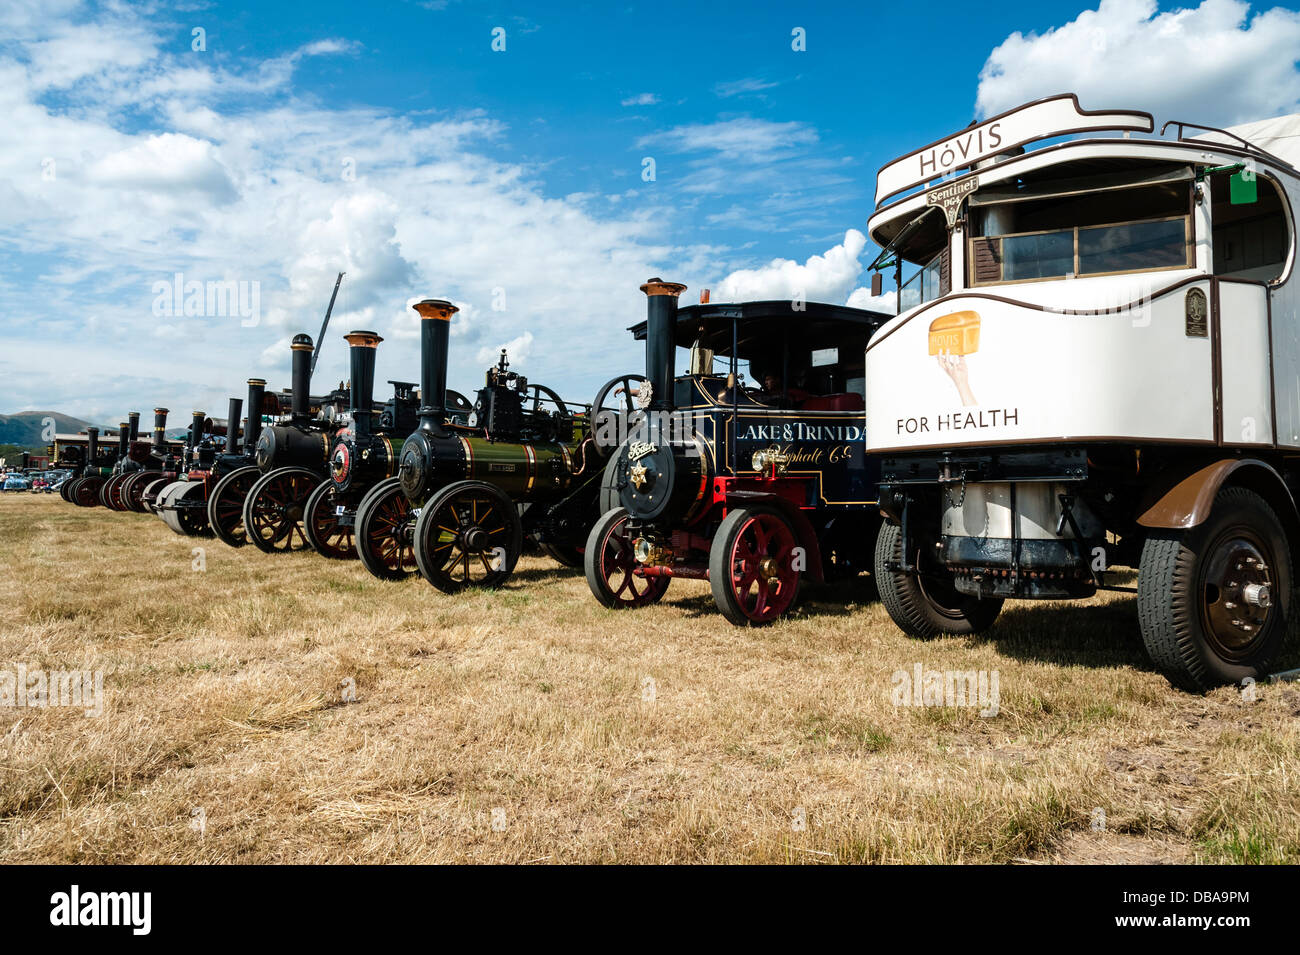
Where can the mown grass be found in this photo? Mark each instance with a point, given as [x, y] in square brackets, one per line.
[305, 712]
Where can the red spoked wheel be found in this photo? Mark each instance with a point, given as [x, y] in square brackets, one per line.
[754, 566]
[226, 505]
[133, 490]
[326, 535]
[113, 495]
[274, 508]
[385, 537]
[86, 493]
[611, 567]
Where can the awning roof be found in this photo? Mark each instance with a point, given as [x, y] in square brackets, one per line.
[763, 325]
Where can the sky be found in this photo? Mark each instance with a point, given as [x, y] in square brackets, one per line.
[534, 163]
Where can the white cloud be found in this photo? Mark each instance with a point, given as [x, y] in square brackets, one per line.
[741, 87]
[740, 138]
[517, 351]
[168, 163]
[828, 277]
[1215, 63]
[886, 302]
[640, 99]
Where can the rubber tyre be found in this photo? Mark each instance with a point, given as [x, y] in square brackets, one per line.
[1169, 596]
[383, 505]
[721, 550]
[597, 581]
[920, 613]
[314, 521]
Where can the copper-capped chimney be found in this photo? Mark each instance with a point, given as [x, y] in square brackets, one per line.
[660, 341]
[256, 389]
[302, 351]
[362, 345]
[435, 328]
[160, 431]
[235, 411]
[134, 418]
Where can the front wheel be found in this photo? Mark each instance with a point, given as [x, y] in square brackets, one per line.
[611, 566]
[754, 566]
[468, 535]
[273, 509]
[226, 505]
[324, 532]
[1214, 602]
[386, 531]
[925, 606]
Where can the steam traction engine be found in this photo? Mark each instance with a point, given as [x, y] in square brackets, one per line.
[466, 494]
[84, 491]
[363, 453]
[238, 471]
[752, 489]
[292, 457]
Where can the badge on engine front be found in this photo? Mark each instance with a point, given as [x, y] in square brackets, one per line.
[1198, 312]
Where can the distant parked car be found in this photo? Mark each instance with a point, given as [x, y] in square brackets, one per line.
[15, 483]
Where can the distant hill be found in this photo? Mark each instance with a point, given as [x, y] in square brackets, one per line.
[24, 428]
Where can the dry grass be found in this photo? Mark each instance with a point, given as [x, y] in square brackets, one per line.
[224, 694]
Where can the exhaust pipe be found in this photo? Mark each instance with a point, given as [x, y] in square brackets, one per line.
[196, 429]
[435, 326]
[660, 341]
[236, 408]
[302, 351]
[123, 432]
[134, 417]
[92, 447]
[361, 389]
[256, 389]
[160, 431]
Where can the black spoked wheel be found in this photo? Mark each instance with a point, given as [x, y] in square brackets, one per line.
[226, 505]
[468, 535]
[326, 535]
[385, 531]
[133, 490]
[566, 555]
[274, 508]
[925, 605]
[1214, 602]
[611, 567]
[614, 412]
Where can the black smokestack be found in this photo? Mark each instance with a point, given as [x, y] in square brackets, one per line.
[302, 349]
[362, 346]
[196, 429]
[123, 432]
[256, 388]
[160, 431]
[134, 418]
[660, 340]
[435, 325]
[92, 447]
[236, 409]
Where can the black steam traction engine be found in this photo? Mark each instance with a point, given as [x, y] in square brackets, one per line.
[84, 490]
[364, 450]
[752, 489]
[145, 465]
[467, 493]
[185, 503]
[292, 460]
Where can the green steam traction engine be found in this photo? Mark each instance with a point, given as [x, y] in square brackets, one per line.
[466, 495]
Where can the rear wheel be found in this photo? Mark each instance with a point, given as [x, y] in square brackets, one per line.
[927, 605]
[1214, 602]
[274, 508]
[86, 493]
[611, 566]
[468, 535]
[567, 555]
[385, 525]
[133, 490]
[226, 505]
[324, 532]
[113, 496]
[753, 566]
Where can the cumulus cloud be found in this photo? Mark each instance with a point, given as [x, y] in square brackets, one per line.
[886, 302]
[828, 277]
[1215, 63]
[517, 351]
[167, 163]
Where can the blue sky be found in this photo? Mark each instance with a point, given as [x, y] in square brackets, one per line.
[393, 142]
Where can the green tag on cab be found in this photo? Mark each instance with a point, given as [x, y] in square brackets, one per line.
[1241, 188]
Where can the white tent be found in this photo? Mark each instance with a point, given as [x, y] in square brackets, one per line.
[1279, 136]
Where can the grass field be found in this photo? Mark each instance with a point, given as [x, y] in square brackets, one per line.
[532, 725]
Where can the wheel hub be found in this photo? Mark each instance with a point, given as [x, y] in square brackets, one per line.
[1238, 593]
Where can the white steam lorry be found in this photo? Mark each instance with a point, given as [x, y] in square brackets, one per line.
[1097, 364]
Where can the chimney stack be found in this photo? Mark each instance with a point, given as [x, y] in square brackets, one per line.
[362, 345]
[660, 340]
[302, 352]
[435, 326]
